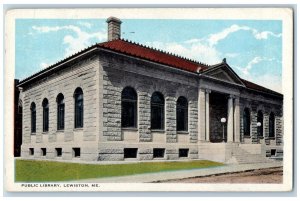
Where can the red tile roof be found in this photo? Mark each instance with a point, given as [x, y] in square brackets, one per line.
[257, 87]
[140, 51]
[150, 54]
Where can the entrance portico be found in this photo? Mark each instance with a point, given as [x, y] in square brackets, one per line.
[218, 105]
[214, 104]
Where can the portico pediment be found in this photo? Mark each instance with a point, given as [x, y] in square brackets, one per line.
[223, 72]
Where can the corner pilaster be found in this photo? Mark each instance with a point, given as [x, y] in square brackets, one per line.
[207, 131]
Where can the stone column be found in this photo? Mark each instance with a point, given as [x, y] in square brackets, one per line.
[253, 117]
[201, 115]
[207, 92]
[266, 129]
[279, 130]
[237, 119]
[230, 119]
[170, 125]
[144, 118]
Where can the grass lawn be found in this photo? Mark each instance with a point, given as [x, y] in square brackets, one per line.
[33, 171]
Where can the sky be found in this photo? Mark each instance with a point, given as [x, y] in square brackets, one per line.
[252, 48]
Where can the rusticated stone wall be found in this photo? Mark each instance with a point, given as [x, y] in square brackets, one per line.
[82, 74]
[119, 74]
[266, 108]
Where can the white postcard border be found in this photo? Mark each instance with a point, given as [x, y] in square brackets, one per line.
[284, 14]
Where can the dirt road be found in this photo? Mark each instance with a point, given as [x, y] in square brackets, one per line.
[271, 175]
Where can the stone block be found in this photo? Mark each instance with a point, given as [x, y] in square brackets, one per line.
[111, 151]
[145, 156]
[111, 157]
[172, 156]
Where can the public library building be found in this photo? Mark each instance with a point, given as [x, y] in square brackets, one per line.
[119, 100]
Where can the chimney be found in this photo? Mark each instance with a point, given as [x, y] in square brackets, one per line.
[113, 28]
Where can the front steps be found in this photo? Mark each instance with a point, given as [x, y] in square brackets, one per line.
[241, 156]
[235, 153]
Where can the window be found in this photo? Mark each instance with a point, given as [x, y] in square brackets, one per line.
[58, 152]
[45, 115]
[157, 111]
[246, 122]
[272, 125]
[273, 152]
[78, 96]
[260, 118]
[158, 153]
[129, 108]
[76, 152]
[43, 151]
[130, 152]
[60, 112]
[31, 151]
[33, 117]
[183, 153]
[182, 114]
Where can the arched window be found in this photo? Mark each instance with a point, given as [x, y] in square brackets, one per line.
[157, 111]
[246, 122]
[33, 117]
[182, 114]
[78, 96]
[129, 108]
[260, 119]
[45, 115]
[272, 125]
[60, 112]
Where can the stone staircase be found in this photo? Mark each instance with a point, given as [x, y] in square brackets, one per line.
[241, 156]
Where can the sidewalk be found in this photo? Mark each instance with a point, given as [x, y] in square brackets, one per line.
[180, 174]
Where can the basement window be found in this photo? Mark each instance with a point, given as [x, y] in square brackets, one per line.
[58, 152]
[76, 152]
[183, 153]
[130, 152]
[43, 150]
[158, 153]
[273, 152]
[31, 151]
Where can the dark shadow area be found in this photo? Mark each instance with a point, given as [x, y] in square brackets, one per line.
[217, 110]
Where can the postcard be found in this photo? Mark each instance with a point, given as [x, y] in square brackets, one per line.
[140, 99]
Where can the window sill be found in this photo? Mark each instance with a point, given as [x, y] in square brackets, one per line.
[129, 129]
[45, 133]
[260, 137]
[183, 132]
[78, 129]
[247, 136]
[60, 131]
[271, 138]
[33, 133]
[157, 131]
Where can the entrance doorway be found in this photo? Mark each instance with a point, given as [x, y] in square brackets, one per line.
[217, 109]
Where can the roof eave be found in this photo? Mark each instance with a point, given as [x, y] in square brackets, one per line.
[273, 93]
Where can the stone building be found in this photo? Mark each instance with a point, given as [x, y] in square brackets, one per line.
[119, 100]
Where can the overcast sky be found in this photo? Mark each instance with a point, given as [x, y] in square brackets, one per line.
[253, 48]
